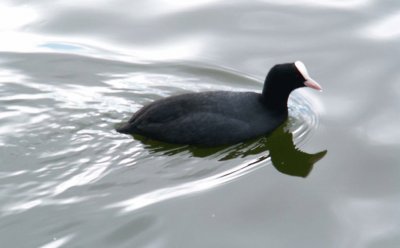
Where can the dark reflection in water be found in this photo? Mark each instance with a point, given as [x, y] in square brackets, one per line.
[278, 146]
[287, 158]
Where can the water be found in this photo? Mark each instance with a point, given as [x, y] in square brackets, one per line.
[71, 71]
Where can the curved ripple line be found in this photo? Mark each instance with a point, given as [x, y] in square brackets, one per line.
[303, 120]
[163, 194]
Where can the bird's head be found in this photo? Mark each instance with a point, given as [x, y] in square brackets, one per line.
[287, 77]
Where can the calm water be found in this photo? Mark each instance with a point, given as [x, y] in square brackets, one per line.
[70, 71]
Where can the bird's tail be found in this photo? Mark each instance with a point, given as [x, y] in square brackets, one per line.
[124, 128]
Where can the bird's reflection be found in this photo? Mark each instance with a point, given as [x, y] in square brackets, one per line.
[278, 146]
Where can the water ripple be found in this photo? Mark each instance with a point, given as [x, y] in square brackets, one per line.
[66, 130]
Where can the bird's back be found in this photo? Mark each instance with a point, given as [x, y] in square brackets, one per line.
[208, 118]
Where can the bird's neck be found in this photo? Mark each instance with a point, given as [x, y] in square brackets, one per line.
[276, 98]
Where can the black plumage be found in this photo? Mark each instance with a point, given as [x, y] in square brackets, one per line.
[221, 117]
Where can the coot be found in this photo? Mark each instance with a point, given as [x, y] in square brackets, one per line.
[221, 117]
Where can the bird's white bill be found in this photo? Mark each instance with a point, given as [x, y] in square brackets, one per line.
[309, 81]
[312, 84]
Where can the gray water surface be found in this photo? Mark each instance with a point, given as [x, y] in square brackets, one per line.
[70, 71]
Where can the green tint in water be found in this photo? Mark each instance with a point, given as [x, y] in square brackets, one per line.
[278, 147]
